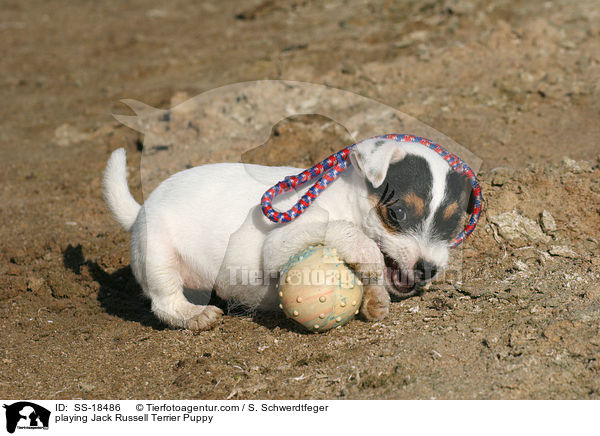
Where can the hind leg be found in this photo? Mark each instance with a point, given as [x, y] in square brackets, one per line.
[164, 286]
[177, 311]
[161, 272]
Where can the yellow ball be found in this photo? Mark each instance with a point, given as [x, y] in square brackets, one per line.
[318, 290]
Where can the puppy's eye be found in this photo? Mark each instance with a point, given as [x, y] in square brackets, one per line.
[396, 215]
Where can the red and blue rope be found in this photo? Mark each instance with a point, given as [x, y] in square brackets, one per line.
[335, 164]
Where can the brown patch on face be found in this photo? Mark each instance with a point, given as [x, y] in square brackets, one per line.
[450, 210]
[382, 213]
[416, 202]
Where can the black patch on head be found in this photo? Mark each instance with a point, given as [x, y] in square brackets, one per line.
[379, 143]
[448, 216]
[409, 178]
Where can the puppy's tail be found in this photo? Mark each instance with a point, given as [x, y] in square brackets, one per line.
[116, 192]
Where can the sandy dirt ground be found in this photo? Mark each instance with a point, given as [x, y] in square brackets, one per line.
[515, 82]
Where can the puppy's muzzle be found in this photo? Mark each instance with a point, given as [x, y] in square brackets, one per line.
[408, 283]
[423, 272]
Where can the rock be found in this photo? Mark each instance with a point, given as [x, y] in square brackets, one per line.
[571, 165]
[499, 179]
[461, 7]
[512, 226]
[552, 334]
[475, 291]
[12, 269]
[547, 222]
[66, 135]
[563, 251]
[520, 265]
[539, 32]
[156, 13]
[86, 386]
[593, 293]
[35, 284]
[412, 38]
[590, 244]
[577, 167]
[522, 335]
[587, 314]
[501, 35]
[59, 284]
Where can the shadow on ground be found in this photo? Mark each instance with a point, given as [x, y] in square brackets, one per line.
[119, 293]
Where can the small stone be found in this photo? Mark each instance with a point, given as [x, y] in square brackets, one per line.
[356, 313]
[86, 387]
[461, 7]
[520, 265]
[512, 226]
[593, 293]
[296, 313]
[577, 167]
[322, 299]
[499, 180]
[66, 135]
[299, 299]
[354, 302]
[156, 13]
[322, 315]
[476, 291]
[316, 326]
[343, 304]
[547, 222]
[563, 251]
[35, 284]
[12, 270]
[281, 306]
[338, 319]
[59, 289]
[281, 294]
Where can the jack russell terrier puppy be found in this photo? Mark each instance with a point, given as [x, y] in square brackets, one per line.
[392, 216]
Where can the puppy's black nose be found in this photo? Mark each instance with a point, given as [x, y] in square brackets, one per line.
[424, 270]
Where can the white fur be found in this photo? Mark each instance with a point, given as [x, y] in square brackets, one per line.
[203, 227]
[374, 156]
[116, 193]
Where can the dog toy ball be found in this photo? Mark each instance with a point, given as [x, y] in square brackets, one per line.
[318, 290]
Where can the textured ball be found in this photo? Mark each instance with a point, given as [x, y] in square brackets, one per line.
[318, 290]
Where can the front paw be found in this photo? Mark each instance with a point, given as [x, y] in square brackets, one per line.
[205, 319]
[364, 259]
[376, 303]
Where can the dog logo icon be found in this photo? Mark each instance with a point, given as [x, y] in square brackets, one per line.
[26, 415]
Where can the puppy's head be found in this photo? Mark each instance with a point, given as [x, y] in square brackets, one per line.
[416, 206]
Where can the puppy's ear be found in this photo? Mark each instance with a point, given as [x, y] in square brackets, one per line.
[458, 188]
[374, 156]
[468, 196]
[471, 203]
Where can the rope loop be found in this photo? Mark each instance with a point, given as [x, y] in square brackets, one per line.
[335, 164]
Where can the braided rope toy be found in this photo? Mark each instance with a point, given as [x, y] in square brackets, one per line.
[335, 164]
